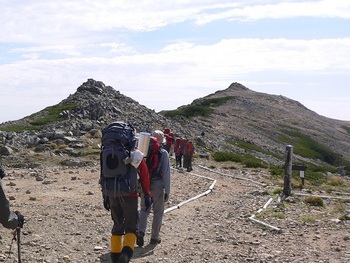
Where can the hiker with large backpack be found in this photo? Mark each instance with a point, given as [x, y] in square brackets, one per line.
[8, 219]
[121, 165]
[159, 169]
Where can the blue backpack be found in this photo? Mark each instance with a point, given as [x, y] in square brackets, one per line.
[118, 177]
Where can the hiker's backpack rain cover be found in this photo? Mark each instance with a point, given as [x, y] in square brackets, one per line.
[118, 176]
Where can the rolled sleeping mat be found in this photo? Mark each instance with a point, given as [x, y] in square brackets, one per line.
[143, 143]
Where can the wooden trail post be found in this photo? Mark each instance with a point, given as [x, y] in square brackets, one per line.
[287, 188]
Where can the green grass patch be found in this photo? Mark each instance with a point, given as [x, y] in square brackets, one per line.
[50, 114]
[278, 215]
[252, 147]
[308, 219]
[314, 201]
[204, 108]
[277, 191]
[347, 129]
[276, 171]
[305, 146]
[315, 176]
[246, 159]
[19, 128]
[39, 119]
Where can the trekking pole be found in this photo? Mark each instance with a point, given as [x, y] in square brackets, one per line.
[18, 230]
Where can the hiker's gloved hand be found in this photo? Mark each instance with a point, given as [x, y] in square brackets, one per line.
[20, 219]
[106, 203]
[166, 197]
[148, 202]
[2, 172]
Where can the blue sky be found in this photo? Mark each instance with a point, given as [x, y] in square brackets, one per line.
[165, 54]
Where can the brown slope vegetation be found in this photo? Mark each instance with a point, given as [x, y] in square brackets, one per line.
[269, 122]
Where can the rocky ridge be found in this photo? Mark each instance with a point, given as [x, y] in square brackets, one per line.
[262, 119]
[80, 118]
[247, 116]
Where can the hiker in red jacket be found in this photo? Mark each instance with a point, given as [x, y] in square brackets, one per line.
[159, 170]
[168, 142]
[177, 151]
[188, 154]
[181, 149]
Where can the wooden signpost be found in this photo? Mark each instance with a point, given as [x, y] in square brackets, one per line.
[287, 188]
[301, 169]
[288, 168]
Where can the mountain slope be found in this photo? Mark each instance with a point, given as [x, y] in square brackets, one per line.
[268, 122]
[236, 119]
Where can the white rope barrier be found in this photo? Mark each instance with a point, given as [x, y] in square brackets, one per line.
[252, 218]
[195, 197]
[265, 224]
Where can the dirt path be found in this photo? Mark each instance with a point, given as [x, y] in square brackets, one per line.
[66, 222]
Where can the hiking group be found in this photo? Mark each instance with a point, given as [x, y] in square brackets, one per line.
[181, 147]
[128, 172]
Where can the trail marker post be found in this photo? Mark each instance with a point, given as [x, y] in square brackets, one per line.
[287, 188]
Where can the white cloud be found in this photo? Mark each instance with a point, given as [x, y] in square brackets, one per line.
[183, 67]
[53, 46]
[279, 10]
[39, 21]
[230, 56]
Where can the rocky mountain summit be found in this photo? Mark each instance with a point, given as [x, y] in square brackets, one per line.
[270, 122]
[236, 119]
[72, 127]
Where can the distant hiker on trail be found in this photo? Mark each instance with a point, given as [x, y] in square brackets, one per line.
[159, 169]
[177, 153]
[171, 147]
[188, 154]
[182, 149]
[8, 219]
[178, 149]
[168, 139]
[121, 163]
